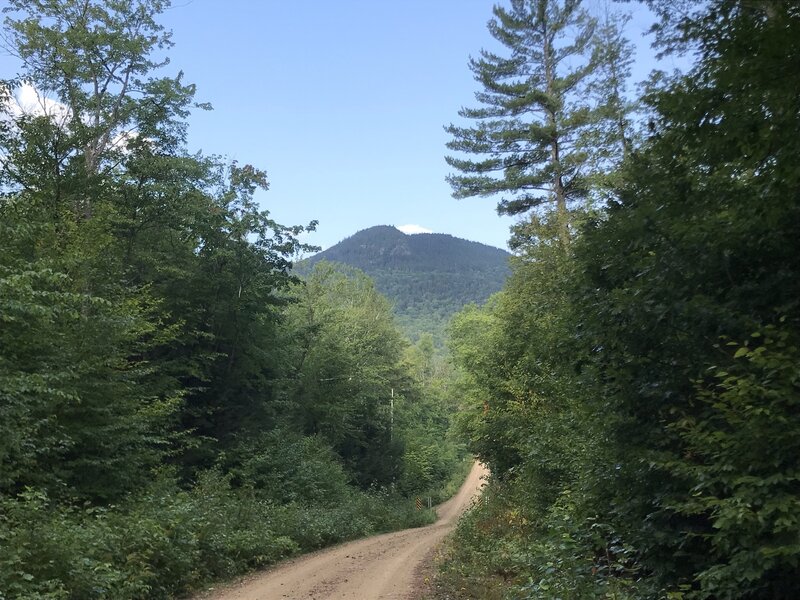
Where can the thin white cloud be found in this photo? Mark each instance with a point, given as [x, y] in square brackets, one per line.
[412, 229]
[28, 101]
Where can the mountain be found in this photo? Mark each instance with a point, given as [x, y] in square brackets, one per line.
[428, 276]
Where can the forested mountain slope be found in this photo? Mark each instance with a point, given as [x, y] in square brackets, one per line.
[428, 277]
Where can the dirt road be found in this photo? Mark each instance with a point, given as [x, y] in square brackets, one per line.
[384, 566]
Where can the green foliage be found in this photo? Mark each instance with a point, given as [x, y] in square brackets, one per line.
[547, 121]
[65, 352]
[344, 369]
[486, 557]
[434, 461]
[98, 60]
[651, 450]
[529, 415]
[700, 247]
[166, 541]
[156, 545]
[524, 399]
[501, 549]
[742, 457]
[286, 467]
[175, 405]
[384, 408]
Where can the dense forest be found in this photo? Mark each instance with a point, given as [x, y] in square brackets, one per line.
[428, 277]
[635, 387]
[176, 406]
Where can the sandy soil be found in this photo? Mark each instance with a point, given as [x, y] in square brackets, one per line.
[383, 566]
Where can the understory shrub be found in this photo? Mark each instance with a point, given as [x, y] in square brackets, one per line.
[503, 549]
[167, 540]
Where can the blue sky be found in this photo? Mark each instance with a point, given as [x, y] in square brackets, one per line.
[343, 104]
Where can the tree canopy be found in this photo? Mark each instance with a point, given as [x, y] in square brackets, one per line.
[176, 405]
[636, 396]
[541, 129]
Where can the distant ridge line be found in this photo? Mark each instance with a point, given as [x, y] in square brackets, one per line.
[427, 276]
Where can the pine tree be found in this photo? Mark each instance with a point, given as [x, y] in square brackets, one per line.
[538, 113]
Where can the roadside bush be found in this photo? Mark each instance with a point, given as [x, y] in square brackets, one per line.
[504, 548]
[743, 461]
[162, 542]
[484, 557]
[169, 540]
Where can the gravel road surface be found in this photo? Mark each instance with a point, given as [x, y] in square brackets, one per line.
[383, 566]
